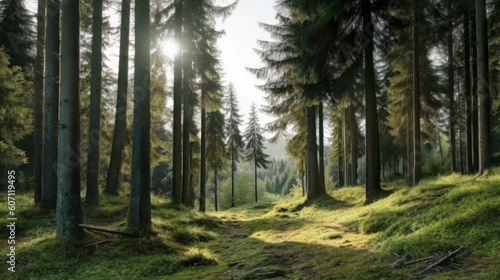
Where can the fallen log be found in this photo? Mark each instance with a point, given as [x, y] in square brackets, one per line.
[441, 260]
[90, 227]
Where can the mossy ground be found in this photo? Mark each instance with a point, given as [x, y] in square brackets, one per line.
[337, 237]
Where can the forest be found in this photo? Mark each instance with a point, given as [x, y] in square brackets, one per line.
[124, 152]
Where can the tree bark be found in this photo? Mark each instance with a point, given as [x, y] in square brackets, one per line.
[139, 216]
[233, 167]
[416, 95]
[216, 202]
[347, 181]
[475, 109]
[92, 196]
[38, 99]
[483, 93]
[120, 131]
[321, 147]
[353, 126]
[51, 106]
[255, 178]
[203, 159]
[451, 91]
[313, 186]
[69, 212]
[372, 153]
[468, 95]
[177, 124]
[188, 105]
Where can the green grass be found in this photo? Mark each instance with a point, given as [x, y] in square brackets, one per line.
[335, 237]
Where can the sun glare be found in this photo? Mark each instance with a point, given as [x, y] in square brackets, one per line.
[170, 48]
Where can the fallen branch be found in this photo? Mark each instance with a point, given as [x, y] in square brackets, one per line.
[89, 227]
[419, 260]
[442, 260]
[98, 243]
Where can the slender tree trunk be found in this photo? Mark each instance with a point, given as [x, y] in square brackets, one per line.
[120, 131]
[38, 98]
[354, 144]
[372, 147]
[215, 186]
[416, 95]
[321, 147]
[203, 159]
[475, 109]
[451, 91]
[177, 127]
[69, 212]
[186, 145]
[347, 182]
[92, 196]
[409, 151]
[51, 106]
[468, 95]
[139, 216]
[255, 178]
[440, 148]
[483, 93]
[233, 167]
[460, 142]
[313, 186]
[187, 103]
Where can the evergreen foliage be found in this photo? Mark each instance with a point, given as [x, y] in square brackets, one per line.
[16, 116]
[254, 147]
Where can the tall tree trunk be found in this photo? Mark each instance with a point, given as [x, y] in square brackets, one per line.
[120, 131]
[188, 103]
[177, 124]
[416, 95]
[451, 90]
[186, 144]
[51, 106]
[313, 186]
[475, 108]
[353, 126]
[483, 93]
[460, 142]
[255, 178]
[233, 168]
[216, 201]
[468, 95]
[92, 196]
[372, 147]
[38, 99]
[69, 212]
[139, 216]
[321, 147]
[203, 159]
[347, 182]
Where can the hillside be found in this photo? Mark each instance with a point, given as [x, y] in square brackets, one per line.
[336, 237]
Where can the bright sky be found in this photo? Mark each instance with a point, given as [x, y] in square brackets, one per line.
[242, 33]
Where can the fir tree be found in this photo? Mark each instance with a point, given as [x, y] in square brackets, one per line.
[234, 142]
[254, 145]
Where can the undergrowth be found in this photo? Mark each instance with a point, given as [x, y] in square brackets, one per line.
[333, 237]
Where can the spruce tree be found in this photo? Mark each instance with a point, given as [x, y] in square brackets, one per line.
[139, 217]
[120, 130]
[254, 145]
[16, 33]
[217, 157]
[234, 140]
[51, 105]
[69, 212]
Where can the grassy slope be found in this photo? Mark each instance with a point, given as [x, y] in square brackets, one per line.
[331, 238]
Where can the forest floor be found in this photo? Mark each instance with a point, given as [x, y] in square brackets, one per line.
[407, 235]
